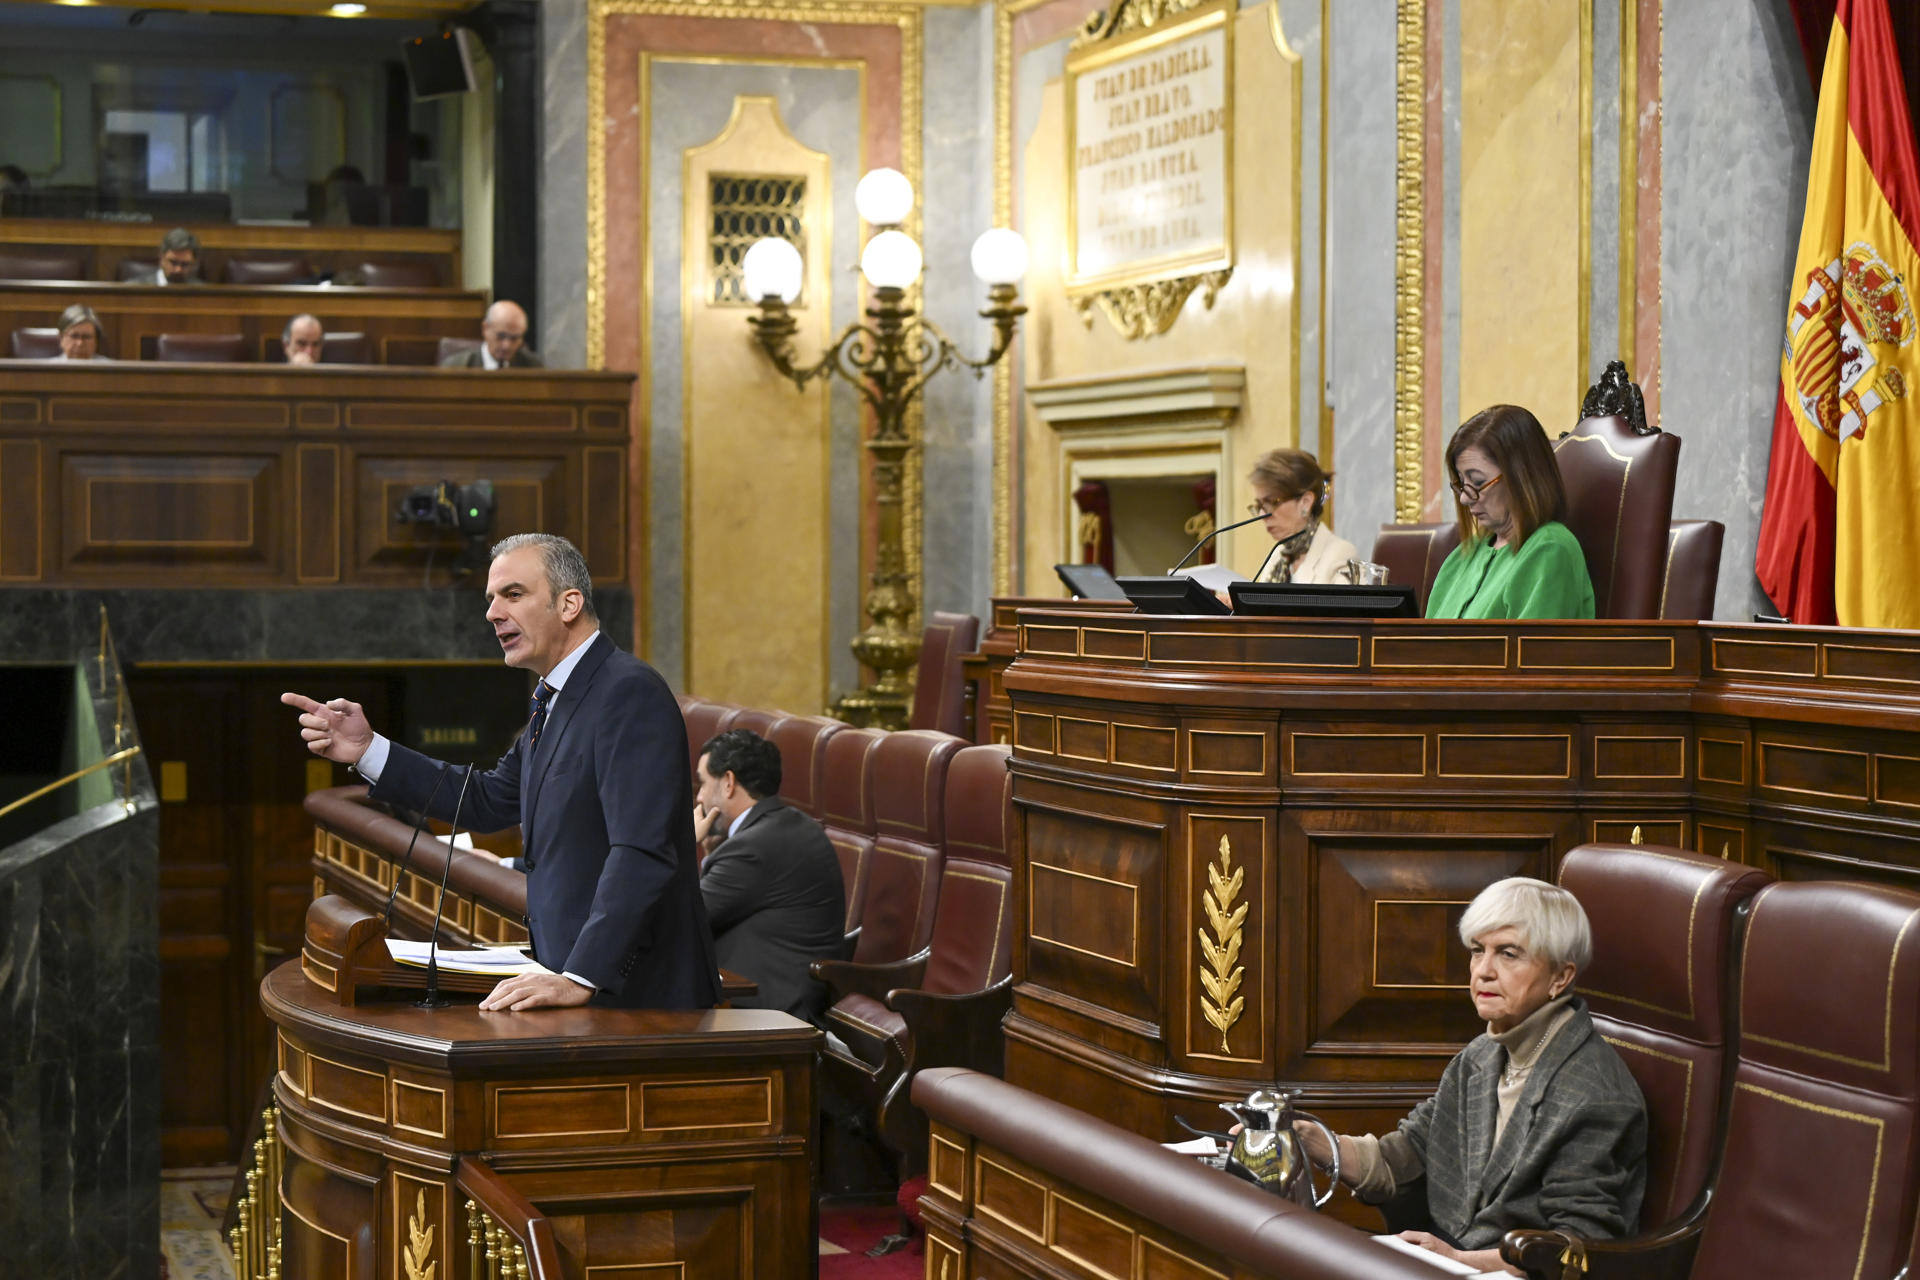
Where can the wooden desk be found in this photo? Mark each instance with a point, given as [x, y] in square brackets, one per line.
[989, 714]
[636, 1141]
[235, 475]
[404, 326]
[1351, 786]
[107, 244]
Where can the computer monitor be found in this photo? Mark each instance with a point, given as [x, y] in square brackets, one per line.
[1089, 582]
[1176, 594]
[1334, 600]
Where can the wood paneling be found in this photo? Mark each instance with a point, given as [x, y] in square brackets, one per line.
[107, 244]
[166, 475]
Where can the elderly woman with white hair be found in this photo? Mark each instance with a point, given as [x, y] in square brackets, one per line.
[1537, 1123]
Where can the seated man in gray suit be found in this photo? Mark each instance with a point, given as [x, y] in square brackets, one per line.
[774, 895]
[503, 342]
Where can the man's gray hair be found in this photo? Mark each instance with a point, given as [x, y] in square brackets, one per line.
[286, 334]
[566, 567]
[180, 239]
[1549, 918]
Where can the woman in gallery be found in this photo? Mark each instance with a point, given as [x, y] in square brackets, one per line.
[1516, 558]
[1290, 490]
[1537, 1123]
[80, 334]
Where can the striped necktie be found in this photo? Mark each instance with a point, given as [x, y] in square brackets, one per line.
[542, 700]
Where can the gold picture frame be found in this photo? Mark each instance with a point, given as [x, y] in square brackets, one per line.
[1143, 296]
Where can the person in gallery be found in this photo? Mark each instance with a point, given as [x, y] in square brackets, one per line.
[81, 334]
[1290, 490]
[503, 342]
[1516, 558]
[179, 258]
[1537, 1123]
[304, 339]
[598, 782]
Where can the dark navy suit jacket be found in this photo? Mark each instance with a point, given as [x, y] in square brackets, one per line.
[777, 902]
[604, 804]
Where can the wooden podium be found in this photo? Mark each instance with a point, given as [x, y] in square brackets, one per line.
[403, 1143]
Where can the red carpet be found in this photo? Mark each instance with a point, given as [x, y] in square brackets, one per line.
[857, 1229]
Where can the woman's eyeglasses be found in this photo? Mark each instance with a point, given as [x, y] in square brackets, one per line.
[1267, 506]
[1469, 493]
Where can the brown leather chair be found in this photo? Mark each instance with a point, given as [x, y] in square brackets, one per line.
[757, 721]
[398, 275]
[844, 783]
[942, 1006]
[36, 344]
[42, 264]
[1693, 570]
[1819, 1167]
[1660, 989]
[1413, 553]
[201, 348]
[137, 270]
[268, 270]
[1619, 505]
[705, 720]
[803, 741]
[451, 347]
[346, 348]
[940, 691]
[909, 824]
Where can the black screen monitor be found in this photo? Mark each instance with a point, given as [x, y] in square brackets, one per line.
[1336, 600]
[1089, 582]
[438, 65]
[1175, 594]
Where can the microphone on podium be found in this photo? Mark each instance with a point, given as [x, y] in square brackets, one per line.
[1209, 538]
[433, 999]
[406, 859]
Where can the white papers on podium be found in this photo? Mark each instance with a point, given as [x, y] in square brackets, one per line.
[499, 962]
[1447, 1265]
[1194, 1147]
[1214, 577]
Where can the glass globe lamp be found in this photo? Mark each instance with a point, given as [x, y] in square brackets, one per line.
[772, 269]
[891, 260]
[884, 198]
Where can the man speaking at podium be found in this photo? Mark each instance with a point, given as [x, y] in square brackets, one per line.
[597, 781]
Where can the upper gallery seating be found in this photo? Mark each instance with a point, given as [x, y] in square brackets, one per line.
[41, 264]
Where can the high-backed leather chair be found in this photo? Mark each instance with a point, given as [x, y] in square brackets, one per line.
[1413, 553]
[705, 720]
[1660, 989]
[346, 348]
[757, 721]
[942, 1006]
[1693, 569]
[201, 348]
[137, 270]
[909, 823]
[451, 347]
[36, 344]
[283, 269]
[1619, 505]
[42, 264]
[940, 691]
[1819, 1167]
[398, 275]
[844, 782]
[803, 741]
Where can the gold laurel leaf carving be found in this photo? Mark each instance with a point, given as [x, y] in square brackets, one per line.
[419, 1242]
[1221, 973]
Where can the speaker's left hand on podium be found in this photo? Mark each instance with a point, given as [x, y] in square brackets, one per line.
[537, 991]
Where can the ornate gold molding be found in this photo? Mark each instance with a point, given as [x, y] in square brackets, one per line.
[1143, 310]
[1221, 973]
[1128, 15]
[1410, 262]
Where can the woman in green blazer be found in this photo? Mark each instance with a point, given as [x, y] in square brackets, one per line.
[1516, 558]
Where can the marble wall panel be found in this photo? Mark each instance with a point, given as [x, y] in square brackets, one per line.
[1735, 147]
[563, 188]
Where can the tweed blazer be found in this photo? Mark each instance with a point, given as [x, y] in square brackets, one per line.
[1573, 1154]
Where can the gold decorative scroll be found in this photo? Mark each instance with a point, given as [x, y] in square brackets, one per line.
[1150, 161]
[1143, 310]
[1221, 973]
[1410, 262]
[419, 1248]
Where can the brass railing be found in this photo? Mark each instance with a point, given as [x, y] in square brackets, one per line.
[123, 753]
[255, 1239]
[507, 1239]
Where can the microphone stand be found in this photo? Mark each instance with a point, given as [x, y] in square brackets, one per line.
[406, 860]
[432, 999]
[1209, 538]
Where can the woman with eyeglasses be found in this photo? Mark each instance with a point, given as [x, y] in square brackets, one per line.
[1516, 558]
[1290, 490]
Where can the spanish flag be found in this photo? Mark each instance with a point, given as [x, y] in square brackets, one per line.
[1840, 540]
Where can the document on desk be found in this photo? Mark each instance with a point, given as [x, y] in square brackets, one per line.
[1214, 577]
[501, 962]
[1447, 1265]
